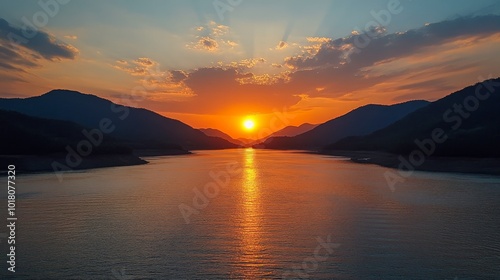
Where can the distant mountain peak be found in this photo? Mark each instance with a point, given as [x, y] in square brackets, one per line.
[290, 131]
[63, 92]
[218, 133]
[66, 93]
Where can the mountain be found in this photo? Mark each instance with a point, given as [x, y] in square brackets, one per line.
[287, 131]
[27, 135]
[466, 122]
[360, 121]
[246, 141]
[291, 131]
[217, 133]
[139, 128]
[42, 145]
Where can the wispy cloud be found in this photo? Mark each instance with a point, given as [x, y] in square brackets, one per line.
[212, 38]
[156, 84]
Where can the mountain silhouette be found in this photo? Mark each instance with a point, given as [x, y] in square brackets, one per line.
[286, 131]
[138, 128]
[470, 125]
[217, 133]
[36, 136]
[291, 130]
[361, 121]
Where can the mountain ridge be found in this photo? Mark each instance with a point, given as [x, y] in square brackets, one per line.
[469, 133]
[139, 127]
[359, 121]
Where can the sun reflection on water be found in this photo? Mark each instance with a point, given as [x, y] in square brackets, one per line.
[251, 246]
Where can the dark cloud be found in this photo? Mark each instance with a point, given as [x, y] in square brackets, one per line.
[341, 60]
[178, 76]
[19, 52]
[362, 50]
[40, 42]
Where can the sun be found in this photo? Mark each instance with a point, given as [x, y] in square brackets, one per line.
[249, 124]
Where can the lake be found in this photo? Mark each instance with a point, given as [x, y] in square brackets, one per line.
[255, 214]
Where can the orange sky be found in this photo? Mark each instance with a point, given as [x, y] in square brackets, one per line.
[215, 74]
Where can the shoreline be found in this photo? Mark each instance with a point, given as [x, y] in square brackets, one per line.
[158, 152]
[43, 163]
[30, 164]
[464, 165]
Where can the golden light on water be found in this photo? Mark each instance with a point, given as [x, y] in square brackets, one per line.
[251, 251]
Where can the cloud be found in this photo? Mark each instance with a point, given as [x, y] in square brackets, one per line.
[142, 66]
[218, 30]
[155, 84]
[212, 38]
[18, 52]
[315, 44]
[344, 65]
[220, 89]
[42, 43]
[281, 45]
[144, 61]
[10, 59]
[72, 37]
[426, 62]
[263, 79]
[320, 40]
[362, 50]
[245, 63]
[207, 44]
[178, 76]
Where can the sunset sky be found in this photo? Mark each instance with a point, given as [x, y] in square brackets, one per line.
[215, 63]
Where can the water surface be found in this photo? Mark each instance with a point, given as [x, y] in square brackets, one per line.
[264, 220]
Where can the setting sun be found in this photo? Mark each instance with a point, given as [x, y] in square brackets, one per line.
[249, 124]
[284, 139]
